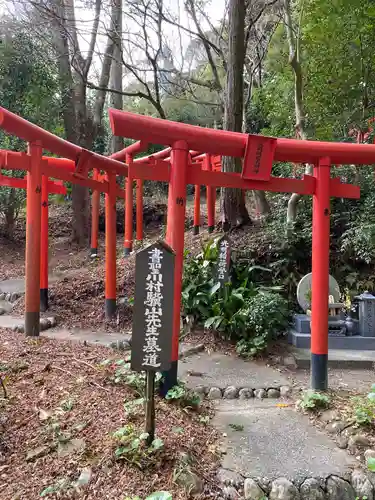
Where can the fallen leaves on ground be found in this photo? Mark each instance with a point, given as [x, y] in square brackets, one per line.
[56, 427]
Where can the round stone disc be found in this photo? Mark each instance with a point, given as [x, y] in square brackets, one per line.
[304, 291]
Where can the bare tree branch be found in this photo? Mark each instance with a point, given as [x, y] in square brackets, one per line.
[205, 41]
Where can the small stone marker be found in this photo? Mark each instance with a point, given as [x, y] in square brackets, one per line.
[151, 346]
[223, 260]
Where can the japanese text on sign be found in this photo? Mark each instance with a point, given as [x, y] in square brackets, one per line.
[258, 159]
[153, 310]
[223, 260]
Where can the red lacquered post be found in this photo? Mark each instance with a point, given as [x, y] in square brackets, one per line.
[320, 272]
[44, 247]
[139, 215]
[128, 233]
[110, 248]
[175, 239]
[197, 208]
[95, 208]
[33, 237]
[210, 196]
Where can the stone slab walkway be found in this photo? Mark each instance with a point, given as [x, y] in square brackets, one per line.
[80, 335]
[6, 306]
[276, 442]
[105, 338]
[347, 380]
[222, 370]
[8, 321]
[269, 449]
[17, 285]
[13, 286]
[97, 337]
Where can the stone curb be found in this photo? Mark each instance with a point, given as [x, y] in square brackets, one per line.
[347, 435]
[118, 345]
[355, 485]
[45, 324]
[10, 297]
[232, 392]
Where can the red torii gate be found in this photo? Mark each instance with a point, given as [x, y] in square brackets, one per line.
[48, 187]
[126, 155]
[153, 160]
[207, 162]
[66, 170]
[73, 168]
[210, 163]
[258, 154]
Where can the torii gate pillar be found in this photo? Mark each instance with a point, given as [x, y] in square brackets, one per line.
[320, 273]
[33, 237]
[175, 239]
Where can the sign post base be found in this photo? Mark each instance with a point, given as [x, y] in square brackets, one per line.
[169, 379]
[150, 406]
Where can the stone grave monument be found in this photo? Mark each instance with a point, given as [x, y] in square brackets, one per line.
[346, 330]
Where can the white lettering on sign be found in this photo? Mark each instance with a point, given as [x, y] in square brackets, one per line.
[223, 259]
[153, 311]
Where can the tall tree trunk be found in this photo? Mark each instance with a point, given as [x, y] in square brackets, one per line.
[80, 194]
[81, 120]
[260, 198]
[74, 113]
[61, 44]
[116, 100]
[10, 214]
[234, 210]
[294, 60]
[262, 204]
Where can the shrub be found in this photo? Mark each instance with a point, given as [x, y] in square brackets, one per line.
[364, 408]
[249, 313]
[314, 401]
[133, 448]
[266, 315]
[198, 284]
[185, 397]
[120, 372]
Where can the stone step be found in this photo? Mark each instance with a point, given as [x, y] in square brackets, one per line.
[16, 287]
[355, 342]
[116, 340]
[264, 439]
[338, 358]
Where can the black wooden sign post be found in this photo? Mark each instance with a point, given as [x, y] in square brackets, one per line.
[153, 319]
[150, 406]
[223, 260]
